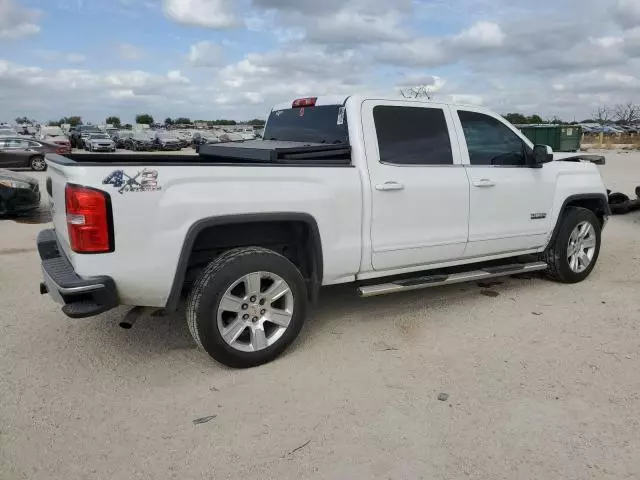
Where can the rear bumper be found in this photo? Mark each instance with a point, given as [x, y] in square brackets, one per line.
[80, 297]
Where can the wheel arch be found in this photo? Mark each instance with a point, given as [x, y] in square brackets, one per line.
[596, 202]
[313, 249]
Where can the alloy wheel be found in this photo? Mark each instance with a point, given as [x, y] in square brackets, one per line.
[255, 311]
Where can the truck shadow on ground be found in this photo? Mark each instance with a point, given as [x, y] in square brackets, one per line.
[339, 309]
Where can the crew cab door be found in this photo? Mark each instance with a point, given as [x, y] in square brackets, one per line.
[419, 188]
[510, 203]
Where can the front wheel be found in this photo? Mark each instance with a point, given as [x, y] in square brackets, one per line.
[573, 253]
[247, 307]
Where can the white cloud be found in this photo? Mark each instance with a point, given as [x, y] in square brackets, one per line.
[205, 54]
[217, 14]
[129, 51]
[627, 12]
[480, 36]
[17, 21]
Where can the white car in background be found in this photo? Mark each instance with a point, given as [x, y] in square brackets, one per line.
[53, 135]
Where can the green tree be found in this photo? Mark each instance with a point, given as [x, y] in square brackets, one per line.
[256, 121]
[128, 126]
[115, 121]
[73, 121]
[182, 121]
[144, 119]
[516, 118]
[53, 123]
[535, 119]
[168, 121]
[22, 120]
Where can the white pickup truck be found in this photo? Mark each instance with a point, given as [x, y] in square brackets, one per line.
[391, 195]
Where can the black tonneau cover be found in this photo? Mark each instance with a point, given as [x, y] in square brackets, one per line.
[272, 151]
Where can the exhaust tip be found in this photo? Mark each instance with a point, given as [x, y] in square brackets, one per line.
[125, 325]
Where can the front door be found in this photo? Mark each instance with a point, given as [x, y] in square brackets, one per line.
[510, 202]
[419, 188]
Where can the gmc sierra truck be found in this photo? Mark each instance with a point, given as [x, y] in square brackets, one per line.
[391, 195]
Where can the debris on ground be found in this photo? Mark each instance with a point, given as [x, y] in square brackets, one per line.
[384, 347]
[299, 448]
[200, 421]
[443, 397]
[489, 293]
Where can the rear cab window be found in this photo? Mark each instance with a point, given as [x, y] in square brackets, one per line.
[412, 135]
[326, 124]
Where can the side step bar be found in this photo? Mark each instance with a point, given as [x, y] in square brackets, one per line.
[438, 280]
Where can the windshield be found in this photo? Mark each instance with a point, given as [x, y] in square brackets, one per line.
[100, 136]
[325, 124]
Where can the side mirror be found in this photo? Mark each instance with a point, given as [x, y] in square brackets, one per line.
[541, 154]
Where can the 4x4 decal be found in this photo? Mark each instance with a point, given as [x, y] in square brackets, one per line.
[145, 180]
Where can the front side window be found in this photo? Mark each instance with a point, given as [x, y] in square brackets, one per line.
[491, 142]
[412, 135]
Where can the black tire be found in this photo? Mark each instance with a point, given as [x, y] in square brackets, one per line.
[37, 164]
[222, 273]
[556, 253]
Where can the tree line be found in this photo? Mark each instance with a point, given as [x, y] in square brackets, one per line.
[621, 114]
[143, 119]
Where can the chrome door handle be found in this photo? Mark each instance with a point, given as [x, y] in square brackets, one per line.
[389, 186]
[483, 183]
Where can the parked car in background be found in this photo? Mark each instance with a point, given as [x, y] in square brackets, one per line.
[8, 132]
[18, 193]
[139, 142]
[20, 152]
[54, 135]
[120, 137]
[201, 138]
[76, 133]
[167, 141]
[99, 142]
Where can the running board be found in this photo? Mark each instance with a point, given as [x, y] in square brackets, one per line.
[428, 281]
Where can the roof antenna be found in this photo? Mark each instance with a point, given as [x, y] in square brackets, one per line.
[418, 91]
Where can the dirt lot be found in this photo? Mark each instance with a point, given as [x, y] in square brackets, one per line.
[543, 382]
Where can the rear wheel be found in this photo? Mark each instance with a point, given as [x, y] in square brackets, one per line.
[574, 251]
[37, 163]
[247, 307]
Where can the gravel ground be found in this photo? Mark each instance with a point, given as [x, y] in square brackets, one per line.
[542, 381]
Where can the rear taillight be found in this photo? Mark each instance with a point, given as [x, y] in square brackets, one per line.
[61, 151]
[89, 219]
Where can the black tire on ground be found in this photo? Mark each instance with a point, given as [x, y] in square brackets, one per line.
[37, 163]
[218, 276]
[556, 253]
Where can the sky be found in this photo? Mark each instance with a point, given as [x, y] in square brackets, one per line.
[208, 59]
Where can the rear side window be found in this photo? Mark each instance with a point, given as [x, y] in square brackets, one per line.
[412, 135]
[323, 124]
[491, 142]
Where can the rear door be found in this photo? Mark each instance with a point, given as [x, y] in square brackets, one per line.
[420, 190]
